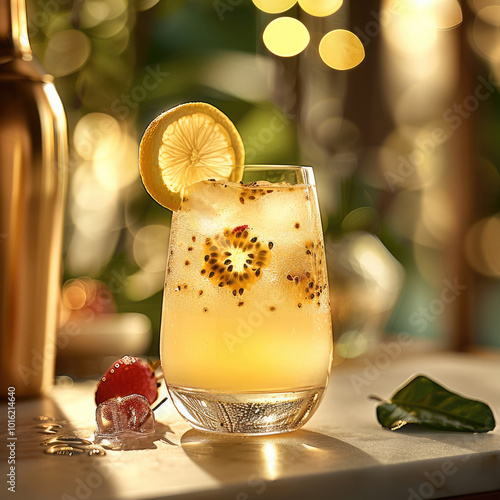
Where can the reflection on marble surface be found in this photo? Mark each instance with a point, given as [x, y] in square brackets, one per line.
[342, 452]
[269, 457]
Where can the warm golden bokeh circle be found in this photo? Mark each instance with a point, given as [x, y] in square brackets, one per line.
[274, 6]
[320, 8]
[482, 242]
[341, 49]
[286, 37]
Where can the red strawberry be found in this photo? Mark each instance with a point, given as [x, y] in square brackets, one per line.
[127, 376]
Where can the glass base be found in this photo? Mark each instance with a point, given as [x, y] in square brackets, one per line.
[246, 413]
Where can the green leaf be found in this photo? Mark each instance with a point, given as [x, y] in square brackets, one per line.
[424, 402]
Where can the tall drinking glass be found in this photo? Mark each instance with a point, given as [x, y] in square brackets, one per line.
[246, 337]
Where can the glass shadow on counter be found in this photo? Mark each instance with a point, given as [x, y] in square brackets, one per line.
[248, 459]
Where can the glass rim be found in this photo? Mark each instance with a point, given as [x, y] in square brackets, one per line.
[270, 166]
[256, 166]
[290, 174]
[267, 166]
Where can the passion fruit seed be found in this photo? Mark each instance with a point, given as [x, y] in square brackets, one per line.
[253, 191]
[310, 284]
[235, 259]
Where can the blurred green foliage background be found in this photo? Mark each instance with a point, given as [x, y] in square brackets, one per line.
[117, 64]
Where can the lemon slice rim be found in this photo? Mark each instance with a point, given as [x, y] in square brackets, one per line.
[151, 143]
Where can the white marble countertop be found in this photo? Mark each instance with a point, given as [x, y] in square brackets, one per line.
[342, 452]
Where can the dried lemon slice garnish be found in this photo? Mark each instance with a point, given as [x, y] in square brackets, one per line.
[186, 144]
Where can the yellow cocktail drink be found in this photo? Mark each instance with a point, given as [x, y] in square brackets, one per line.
[246, 339]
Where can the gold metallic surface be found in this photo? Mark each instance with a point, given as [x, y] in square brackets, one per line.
[33, 157]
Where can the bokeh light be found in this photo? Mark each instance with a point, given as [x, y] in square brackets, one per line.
[490, 15]
[320, 8]
[238, 74]
[477, 5]
[74, 294]
[407, 33]
[286, 37]
[486, 33]
[473, 251]
[438, 14]
[107, 9]
[111, 29]
[437, 212]
[98, 219]
[85, 294]
[397, 187]
[67, 52]
[352, 344]
[91, 130]
[336, 134]
[482, 245]
[93, 13]
[115, 166]
[94, 213]
[150, 248]
[445, 14]
[365, 218]
[274, 6]
[366, 280]
[341, 49]
[145, 4]
[86, 192]
[150, 254]
[490, 244]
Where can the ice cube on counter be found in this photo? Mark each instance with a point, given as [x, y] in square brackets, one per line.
[129, 415]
